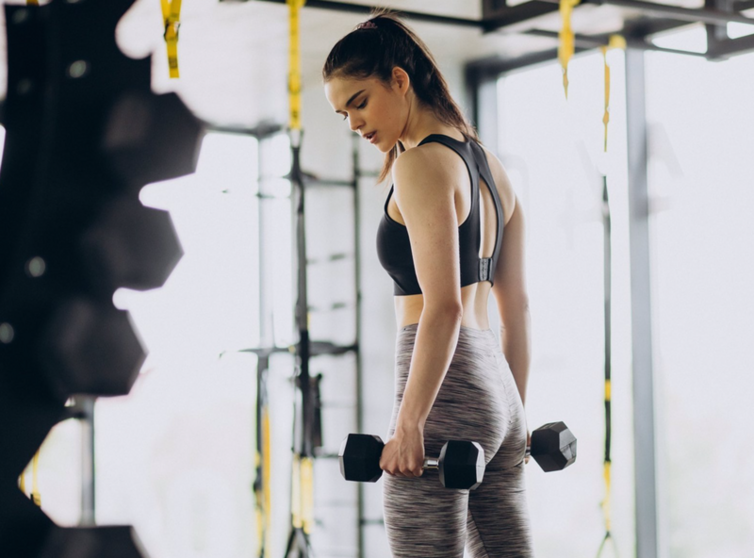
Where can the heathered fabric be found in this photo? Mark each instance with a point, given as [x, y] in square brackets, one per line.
[478, 401]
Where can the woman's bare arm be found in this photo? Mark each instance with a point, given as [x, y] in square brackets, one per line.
[509, 290]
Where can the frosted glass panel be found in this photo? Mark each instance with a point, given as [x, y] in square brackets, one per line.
[703, 271]
[552, 150]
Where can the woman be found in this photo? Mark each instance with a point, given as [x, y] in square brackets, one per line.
[441, 240]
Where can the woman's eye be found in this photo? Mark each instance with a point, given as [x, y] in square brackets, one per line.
[361, 106]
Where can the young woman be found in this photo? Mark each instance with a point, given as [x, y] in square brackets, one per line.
[441, 240]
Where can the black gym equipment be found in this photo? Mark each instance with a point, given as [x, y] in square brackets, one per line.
[84, 134]
[461, 463]
[553, 446]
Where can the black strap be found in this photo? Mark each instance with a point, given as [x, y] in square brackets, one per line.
[485, 268]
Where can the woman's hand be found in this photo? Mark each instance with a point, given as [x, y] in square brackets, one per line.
[403, 455]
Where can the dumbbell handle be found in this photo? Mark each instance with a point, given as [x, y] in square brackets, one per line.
[431, 463]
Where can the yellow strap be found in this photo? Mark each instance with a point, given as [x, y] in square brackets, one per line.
[606, 501]
[296, 492]
[32, 2]
[294, 64]
[606, 511]
[35, 495]
[615, 41]
[566, 46]
[260, 529]
[307, 494]
[608, 389]
[171, 15]
[267, 479]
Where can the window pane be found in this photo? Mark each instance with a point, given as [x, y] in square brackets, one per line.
[703, 272]
[551, 149]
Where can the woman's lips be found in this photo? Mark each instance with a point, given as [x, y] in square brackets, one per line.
[374, 135]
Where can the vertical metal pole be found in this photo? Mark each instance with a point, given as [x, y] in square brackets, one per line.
[265, 336]
[641, 317]
[87, 461]
[357, 266]
[485, 94]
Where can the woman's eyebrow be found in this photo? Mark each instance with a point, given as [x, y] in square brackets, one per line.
[351, 99]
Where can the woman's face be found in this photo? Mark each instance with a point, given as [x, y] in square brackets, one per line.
[373, 111]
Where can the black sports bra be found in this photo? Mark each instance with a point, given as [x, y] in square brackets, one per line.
[394, 247]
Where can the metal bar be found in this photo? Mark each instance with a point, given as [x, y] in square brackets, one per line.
[495, 67]
[359, 378]
[687, 14]
[506, 16]
[587, 42]
[645, 488]
[367, 9]
[492, 68]
[87, 462]
[723, 49]
[486, 118]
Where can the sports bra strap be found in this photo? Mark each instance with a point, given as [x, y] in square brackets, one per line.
[487, 265]
[478, 162]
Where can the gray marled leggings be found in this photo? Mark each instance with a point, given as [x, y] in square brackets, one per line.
[478, 401]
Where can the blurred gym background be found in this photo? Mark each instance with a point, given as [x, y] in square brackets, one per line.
[177, 458]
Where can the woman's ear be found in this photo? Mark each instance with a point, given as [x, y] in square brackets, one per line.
[401, 81]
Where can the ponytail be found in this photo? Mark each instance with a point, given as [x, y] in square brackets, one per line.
[378, 45]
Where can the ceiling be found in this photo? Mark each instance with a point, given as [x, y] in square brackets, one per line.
[233, 55]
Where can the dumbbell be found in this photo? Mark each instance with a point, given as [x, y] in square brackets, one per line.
[553, 446]
[461, 464]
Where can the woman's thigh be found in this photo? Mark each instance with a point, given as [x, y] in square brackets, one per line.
[422, 517]
[498, 520]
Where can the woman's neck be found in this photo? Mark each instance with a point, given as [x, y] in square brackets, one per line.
[422, 123]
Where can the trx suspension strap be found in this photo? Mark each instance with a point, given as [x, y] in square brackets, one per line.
[616, 41]
[564, 54]
[171, 14]
[565, 46]
[608, 387]
[302, 488]
[263, 458]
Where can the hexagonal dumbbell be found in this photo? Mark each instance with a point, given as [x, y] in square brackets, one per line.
[553, 446]
[461, 463]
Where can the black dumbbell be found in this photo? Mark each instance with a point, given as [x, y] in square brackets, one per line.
[461, 464]
[553, 446]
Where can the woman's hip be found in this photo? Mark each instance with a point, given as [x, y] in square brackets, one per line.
[474, 401]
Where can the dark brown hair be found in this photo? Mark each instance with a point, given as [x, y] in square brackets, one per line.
[373, 51]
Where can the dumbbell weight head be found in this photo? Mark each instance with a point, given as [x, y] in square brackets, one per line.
[553, 446]
[359, 457]
[461, 464]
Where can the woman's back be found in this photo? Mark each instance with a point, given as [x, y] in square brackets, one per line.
[476, 295]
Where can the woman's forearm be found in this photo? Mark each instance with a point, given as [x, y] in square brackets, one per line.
[515, 336]
[434, 347]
